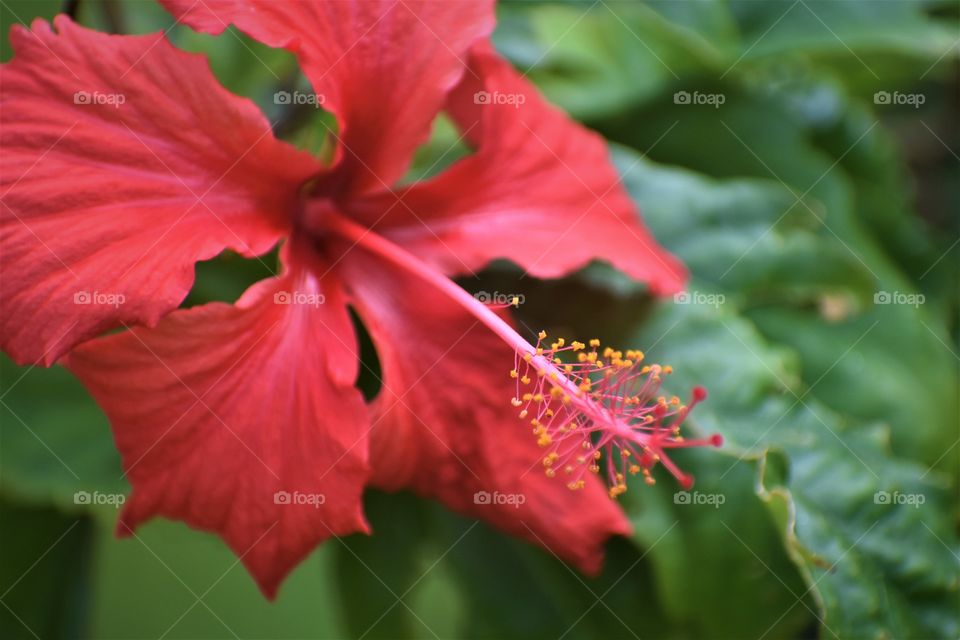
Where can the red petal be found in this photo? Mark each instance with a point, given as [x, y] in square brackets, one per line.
[218, 408]
[105, 199]
[383, 67]
[540, 190]
[444, 426]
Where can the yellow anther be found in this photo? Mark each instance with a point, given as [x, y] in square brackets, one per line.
[557, 361]
[634, 469]
[594, 343]
[525, 380]
[575, 486]
[515, 301]
[550, 473]
[542, 335]
[577, 346]
[514, 373]
[528, 397]
[668, 369]
[523, 414]
[539, 351]
[527, 357]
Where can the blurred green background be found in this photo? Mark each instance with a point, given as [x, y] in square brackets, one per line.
[802, 158]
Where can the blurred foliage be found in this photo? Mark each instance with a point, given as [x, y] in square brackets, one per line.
[796, 194]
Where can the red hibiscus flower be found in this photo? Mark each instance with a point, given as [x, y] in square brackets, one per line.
[125, 163]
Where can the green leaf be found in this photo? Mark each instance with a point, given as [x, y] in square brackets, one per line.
[752, 239]
[170, 581]
[595, 59]
[840, 529]
[719, 561]
[428, 572]
[814, 255]
[56, 441]
[44, 572]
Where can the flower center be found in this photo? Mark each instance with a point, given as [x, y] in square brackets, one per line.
[593, 405]
[614, 418]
